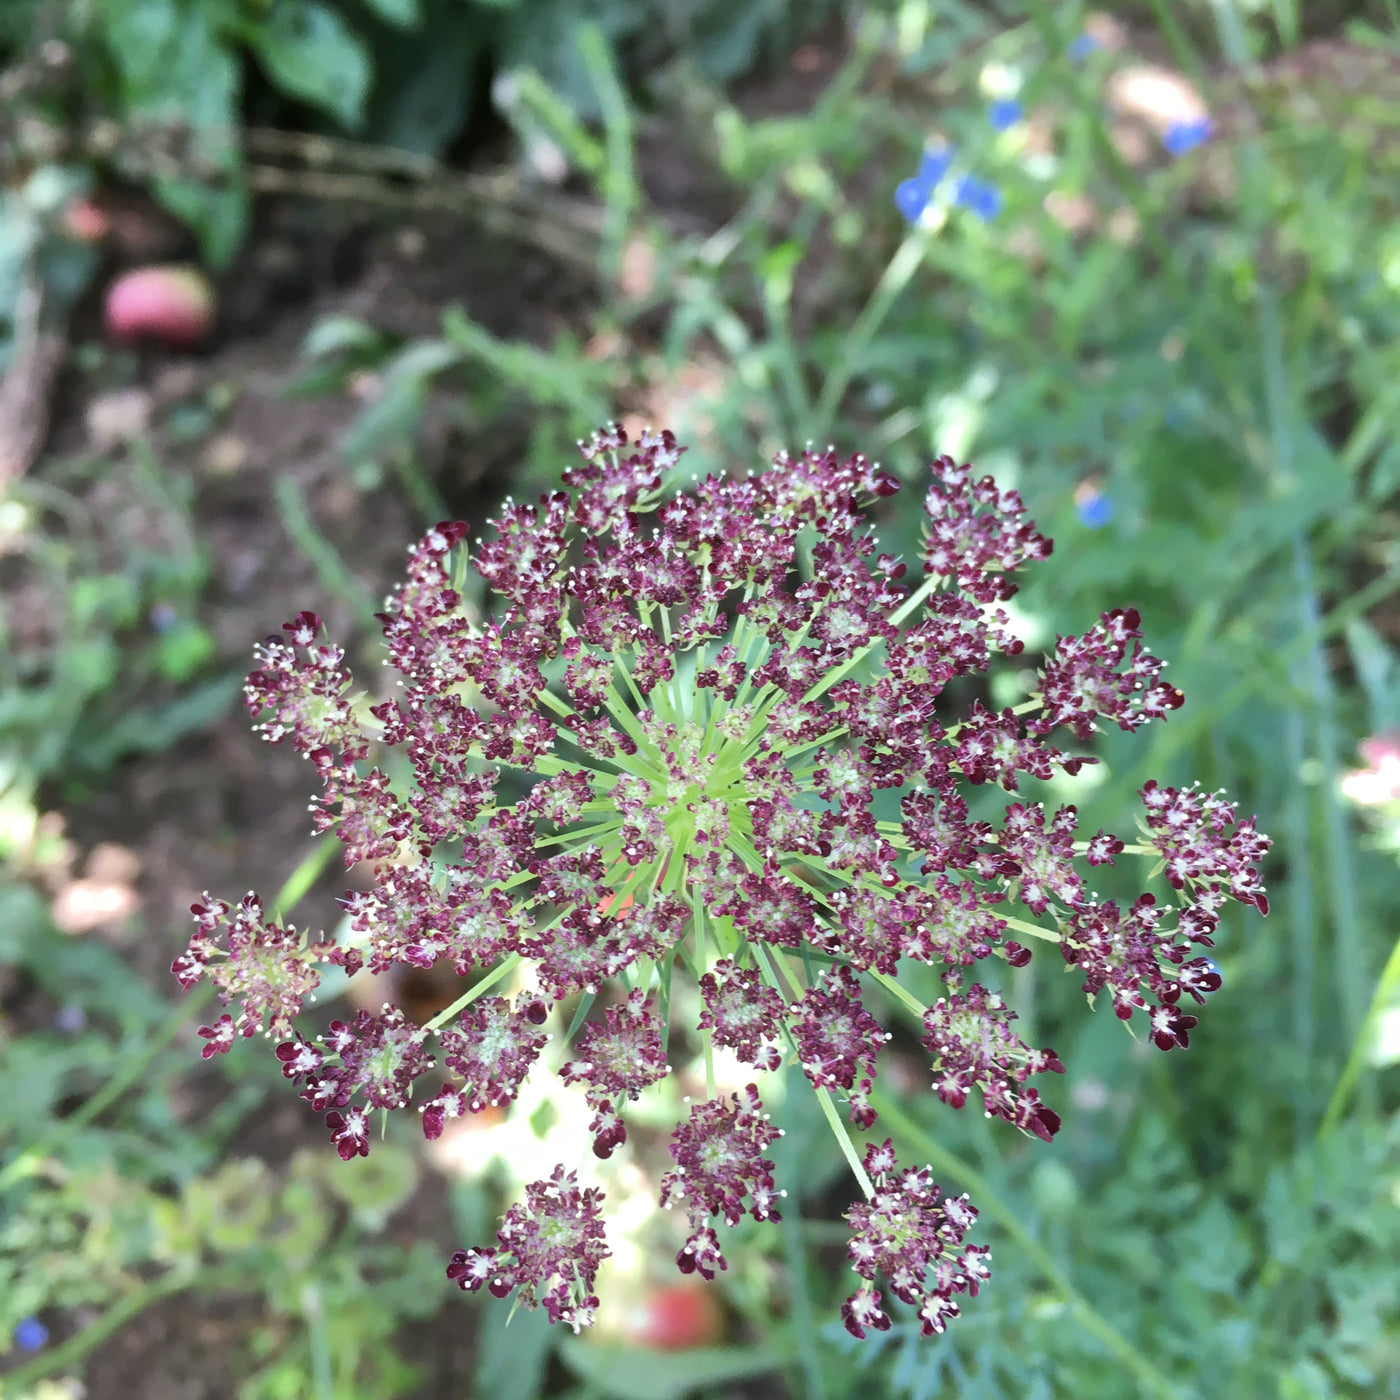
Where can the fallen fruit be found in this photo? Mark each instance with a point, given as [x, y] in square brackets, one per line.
[676, 1318]
[85, 222]
[172, 304]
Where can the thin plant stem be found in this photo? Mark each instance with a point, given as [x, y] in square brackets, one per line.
[502, 969]
[1386, 993]
[617, 179]
[1301, 910]
[803, 1323]
[331, 569]
[1347, 921]
[1188, 727]
[843, 1140]
[896, 276]
[323, 1382]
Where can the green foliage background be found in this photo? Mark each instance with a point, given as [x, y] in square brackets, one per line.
[1219, 1223]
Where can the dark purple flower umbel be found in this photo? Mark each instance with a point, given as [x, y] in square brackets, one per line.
[657, 761]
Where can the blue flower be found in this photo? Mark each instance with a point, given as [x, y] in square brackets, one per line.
[1082, 47]
[911, 197]
[1181, 137]
[980, 196]
[1004, 113]
[31, 1334]
[1092, 505]
[934, 164]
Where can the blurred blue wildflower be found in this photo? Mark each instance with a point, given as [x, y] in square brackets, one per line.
[1092, 504]
[70, 1018]
[163, 617]
[31, 1334]
[1181, 137]
[912, 196]
[1004, 113]
[910, 199]
[980, 196]
[934, 164]
[1082, 47]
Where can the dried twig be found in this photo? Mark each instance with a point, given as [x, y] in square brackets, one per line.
[26, 388]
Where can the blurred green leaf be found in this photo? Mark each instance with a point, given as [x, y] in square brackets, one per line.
[401, 12]
[310, 51]
[514, 1347]
[636, 1374]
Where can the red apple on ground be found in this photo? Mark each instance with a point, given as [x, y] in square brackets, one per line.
[172, 304]
[85, 221]
[678, 1317]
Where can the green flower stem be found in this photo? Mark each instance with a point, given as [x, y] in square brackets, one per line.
[1035, 930]
[812, 743]
[892, 283]
[702, 963]
[585, 1005]
[714, 707]
[547, 765]
[1026, 707]
[299, 882]
[1387, 991]
[595, 833]
[991, 1205]
[627, 721]
[837, 673]
[666, 701]
[804, 1326]
[1313, 669]
[502, 969]
[559, 706]
[768, 966]
[910, 1002]
[772, 972]
[843, 1141]
[315, 1314]
[745, 633]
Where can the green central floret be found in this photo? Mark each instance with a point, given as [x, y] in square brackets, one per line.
[709, 694]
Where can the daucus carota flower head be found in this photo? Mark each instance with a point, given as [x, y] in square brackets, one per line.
[661, 758]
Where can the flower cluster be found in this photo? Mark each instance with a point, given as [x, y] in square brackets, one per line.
[905, 1233]
[548, 1248]
[659, 760]
[719, 1161]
